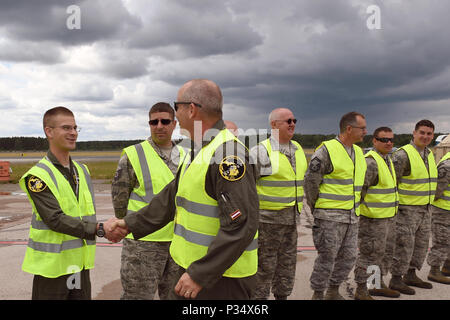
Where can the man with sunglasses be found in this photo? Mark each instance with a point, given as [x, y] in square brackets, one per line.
[333, 186]
[379, 205]
[281, 167]
[214, 201]
[416, 172]
[143, 171]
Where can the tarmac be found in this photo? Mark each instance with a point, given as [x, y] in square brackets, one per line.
[15, 217]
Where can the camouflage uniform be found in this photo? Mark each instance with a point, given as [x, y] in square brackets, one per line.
[335, 231]
[277, 239]
[440, 221]
[374, 233]
[413, 223]
[146, 265]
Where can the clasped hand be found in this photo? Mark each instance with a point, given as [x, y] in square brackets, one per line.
[115, 229]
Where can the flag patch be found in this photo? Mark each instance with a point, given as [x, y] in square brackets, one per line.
[235, 214]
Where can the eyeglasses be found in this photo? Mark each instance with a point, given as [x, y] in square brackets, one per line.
[289, 121]
[176, 103]
[68, 128]
[385, 140]
[155, 122]
[362, 128]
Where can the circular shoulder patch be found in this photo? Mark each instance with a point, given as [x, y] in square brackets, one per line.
[232, 168]
[35, 184]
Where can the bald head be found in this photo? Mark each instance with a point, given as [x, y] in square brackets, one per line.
[231, 126]
[204, 92]
[279, 113]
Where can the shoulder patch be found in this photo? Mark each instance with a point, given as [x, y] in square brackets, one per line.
[35, 184]
[315, 164]
[232, 168]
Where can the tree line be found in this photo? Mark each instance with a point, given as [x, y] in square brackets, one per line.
[305, 140]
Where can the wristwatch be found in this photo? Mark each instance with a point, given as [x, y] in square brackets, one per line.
[100, 231]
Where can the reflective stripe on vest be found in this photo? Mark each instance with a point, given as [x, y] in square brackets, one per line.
[52, 254]
[341, 189]
[152, 175]
[284, 187]
[381, 200]
[444, 201]
[197, 218]
[420, 186]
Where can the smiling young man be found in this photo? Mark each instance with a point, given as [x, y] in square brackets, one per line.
[143, 171]
[416, 172]
[281, 166]
[379, 205]
[61, 247]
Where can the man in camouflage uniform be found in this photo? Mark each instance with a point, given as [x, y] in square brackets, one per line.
[413, 223]
[440, 225]
[335, 231]
[146, 265]
[377, 220]
[279, 205]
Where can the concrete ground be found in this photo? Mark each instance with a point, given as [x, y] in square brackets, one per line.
[15, 217]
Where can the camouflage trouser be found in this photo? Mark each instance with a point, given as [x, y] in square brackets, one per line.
[373, 235]
[277, 258]
[413, 229]
[440, 234]
[336, 245]
[146, 266]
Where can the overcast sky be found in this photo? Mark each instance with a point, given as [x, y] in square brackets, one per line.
[320, 58]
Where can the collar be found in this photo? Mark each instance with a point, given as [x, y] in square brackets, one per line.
[219, 125]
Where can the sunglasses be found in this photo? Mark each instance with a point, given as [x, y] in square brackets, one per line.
[289, 121]
[385, 140]
[176, 103]
[163, 121]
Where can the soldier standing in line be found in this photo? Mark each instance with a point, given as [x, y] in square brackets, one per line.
[440, 225]
[416, 173]
[143, 171]
[379, 205]
[281, 166]
[333, 186]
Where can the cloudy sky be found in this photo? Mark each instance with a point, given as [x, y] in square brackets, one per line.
[320, 58]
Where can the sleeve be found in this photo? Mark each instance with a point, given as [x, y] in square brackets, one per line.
[53, 216]
[260, 158]
[371, 177]
[401, 164]
[319, 165]
[238, 213]
[122, 185]
[159, 212]
[443, 178]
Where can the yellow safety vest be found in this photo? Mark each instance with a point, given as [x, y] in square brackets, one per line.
[153, 175]
[444, 201]
[419, 187]
[283, 187]
[381, 200]
[53, 254]
[341, 189]
[197, 218]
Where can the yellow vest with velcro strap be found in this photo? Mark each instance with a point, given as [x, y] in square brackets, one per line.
[153, 175]
[284, 187]
[381, 200]
[341, 189]
[419, 187]
[444, 201]
[52, 254]
[197, 218]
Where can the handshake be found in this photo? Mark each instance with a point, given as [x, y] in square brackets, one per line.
[115, 229]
